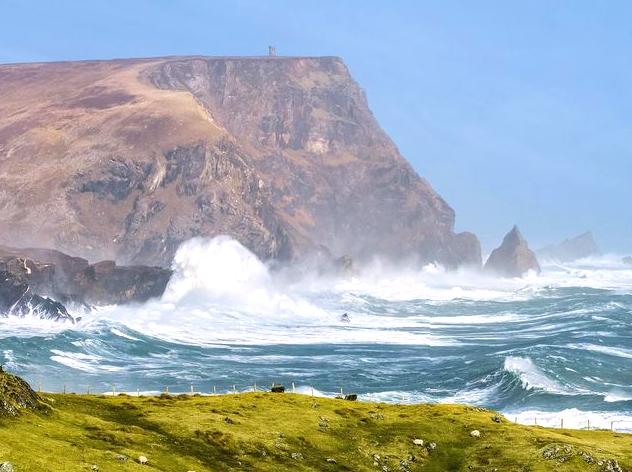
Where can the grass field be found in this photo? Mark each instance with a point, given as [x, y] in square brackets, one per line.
[276, 432]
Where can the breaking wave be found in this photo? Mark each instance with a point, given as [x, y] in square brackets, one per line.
[549, 345]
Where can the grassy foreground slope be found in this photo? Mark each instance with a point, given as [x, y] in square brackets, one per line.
[276, 432]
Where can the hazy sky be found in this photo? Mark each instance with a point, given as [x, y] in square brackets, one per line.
[517, 112]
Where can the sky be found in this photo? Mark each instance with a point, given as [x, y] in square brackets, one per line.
[516, 112]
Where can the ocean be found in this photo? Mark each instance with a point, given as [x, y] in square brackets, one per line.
[549, 348]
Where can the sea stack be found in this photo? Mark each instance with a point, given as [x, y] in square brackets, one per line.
[571, 249]
[513, 258]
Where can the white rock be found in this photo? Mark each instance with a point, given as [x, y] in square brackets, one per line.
[475, 434]
[142, 460]
[418, 442]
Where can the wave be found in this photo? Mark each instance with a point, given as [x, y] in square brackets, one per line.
[532, 377]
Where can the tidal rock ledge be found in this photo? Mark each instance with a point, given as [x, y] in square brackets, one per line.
[41, 282]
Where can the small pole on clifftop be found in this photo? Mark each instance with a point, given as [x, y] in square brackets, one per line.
[113, 390]
[254, 389]
[562, 423]
[293, 388]
[138, 392]
[64, 389]
[612, 426]
[535, 421]
[312, 390]
[234, 389]
[588, 423]
[191, 388]
[214, 391]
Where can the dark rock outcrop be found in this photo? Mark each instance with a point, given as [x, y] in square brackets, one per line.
[17, 297]
[126, 159]
[16, 396]
[40, 281]
[513, 258]
[571, 249]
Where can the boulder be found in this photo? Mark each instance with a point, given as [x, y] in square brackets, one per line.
[513, 258]
[351, 397]
[6, 467]
[475, 433]
[571, 249]
[276, 388]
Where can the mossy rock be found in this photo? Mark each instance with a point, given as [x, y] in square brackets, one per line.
[17, 395]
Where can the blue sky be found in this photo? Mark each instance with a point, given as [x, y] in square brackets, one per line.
[516, 112]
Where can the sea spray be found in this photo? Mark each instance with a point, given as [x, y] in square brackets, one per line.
[546, 344]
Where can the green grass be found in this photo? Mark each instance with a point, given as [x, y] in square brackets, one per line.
[277, 432]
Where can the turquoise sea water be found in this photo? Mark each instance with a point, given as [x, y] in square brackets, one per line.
[553, 346]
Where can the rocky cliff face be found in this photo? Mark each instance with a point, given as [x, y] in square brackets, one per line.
[124, 160]
[513, 258]
[571, 249]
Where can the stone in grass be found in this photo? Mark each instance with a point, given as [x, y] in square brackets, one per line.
[331, 460]
[94, 468]
[143, 460]
[121, 458]
[297, 456]
[277, 388]
[351, 397]
[6, 467]
[418, 442]
[475, 433]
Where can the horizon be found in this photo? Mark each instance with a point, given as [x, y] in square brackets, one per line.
[521, 123]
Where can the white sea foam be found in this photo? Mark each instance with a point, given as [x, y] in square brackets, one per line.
[83, 362]
[608, 350]
[573, 418]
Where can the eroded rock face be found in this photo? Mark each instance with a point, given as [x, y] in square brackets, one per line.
[571, 249]
[125, 160]
[513, 258]
[39, 276]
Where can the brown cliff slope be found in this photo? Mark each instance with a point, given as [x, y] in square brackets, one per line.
[126, 159]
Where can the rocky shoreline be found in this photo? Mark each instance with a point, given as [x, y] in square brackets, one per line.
[43, 282]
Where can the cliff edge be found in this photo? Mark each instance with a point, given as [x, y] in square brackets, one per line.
[125, 159]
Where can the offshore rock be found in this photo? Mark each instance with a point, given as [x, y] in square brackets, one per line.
[32, 279]
[513, 258]
[571, 249]
[129, 158]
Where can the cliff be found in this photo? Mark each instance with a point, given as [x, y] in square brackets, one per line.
[126, 159]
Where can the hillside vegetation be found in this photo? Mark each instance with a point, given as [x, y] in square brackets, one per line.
[275, 432]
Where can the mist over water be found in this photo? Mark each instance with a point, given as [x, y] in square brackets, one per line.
[552, 346]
